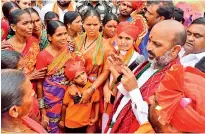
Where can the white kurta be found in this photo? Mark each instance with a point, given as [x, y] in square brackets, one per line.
[139, 107]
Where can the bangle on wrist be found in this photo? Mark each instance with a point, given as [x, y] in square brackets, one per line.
[41, 103]
[92, 88]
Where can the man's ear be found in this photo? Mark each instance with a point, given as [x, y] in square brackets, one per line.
[176, 49]
[162, 18]
[13, 112]
[13, 27]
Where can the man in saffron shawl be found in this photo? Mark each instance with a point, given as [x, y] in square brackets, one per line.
[163, 47]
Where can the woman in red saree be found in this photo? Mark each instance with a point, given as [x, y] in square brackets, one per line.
[17, 97]
[27, 45]
[51, 90]
[95, 52]
[24, 43]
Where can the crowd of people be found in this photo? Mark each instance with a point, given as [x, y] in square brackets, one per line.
[102, 67]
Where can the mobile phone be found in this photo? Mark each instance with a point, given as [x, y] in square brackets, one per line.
[76, 99]
[112, 99]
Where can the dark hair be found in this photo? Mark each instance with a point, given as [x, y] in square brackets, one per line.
[49, 16]
[200, 20]
[70, 16]
[53, 25]
[167, 3]
[10, 59]
[201, 65]
[91, 12]
[178, 14]
[14, 16]
[166, 10]
[7, 7]
[109, 17]
[11, 88]
[31, 10]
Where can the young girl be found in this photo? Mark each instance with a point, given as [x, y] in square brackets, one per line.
[76, 116]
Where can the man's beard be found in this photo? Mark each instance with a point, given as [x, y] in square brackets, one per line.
[162, 60]
[63, 3]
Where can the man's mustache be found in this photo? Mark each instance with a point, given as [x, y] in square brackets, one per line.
[151, 53]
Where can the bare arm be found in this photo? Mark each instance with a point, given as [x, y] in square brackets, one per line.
[99, 81]
[107, 92]
[63, 114]
[97, 107]
[40, 89]
[88, 93]
[93, 120]
[40, 94]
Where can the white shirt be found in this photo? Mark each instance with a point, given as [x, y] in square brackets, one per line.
[141, 111]
[49, 7]
[190, 59]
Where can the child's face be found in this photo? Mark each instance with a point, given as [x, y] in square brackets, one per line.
[81, 78]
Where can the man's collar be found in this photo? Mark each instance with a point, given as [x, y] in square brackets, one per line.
[198, 55]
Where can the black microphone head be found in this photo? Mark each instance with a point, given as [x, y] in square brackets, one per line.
[140, 59]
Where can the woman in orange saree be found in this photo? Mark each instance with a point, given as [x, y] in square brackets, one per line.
[51, 90]
[95, 52]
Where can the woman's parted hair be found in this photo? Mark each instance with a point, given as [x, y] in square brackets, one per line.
[109, 17]
[7, 7]
[11, 88]
[31, 10]
[14, 16]
[70, 16]
[53, 25]
[49, 16]
[91, 12]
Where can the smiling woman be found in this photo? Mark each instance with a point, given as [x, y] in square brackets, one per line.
[38, 30]
[51, 90]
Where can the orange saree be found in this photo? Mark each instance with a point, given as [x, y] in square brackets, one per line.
[95, 58]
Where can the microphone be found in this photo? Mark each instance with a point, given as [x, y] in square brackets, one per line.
[140, 59]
